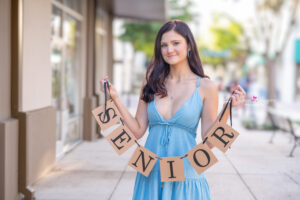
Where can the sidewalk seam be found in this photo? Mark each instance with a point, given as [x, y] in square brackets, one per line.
[291, 178]
[113, 191]
[238, 173]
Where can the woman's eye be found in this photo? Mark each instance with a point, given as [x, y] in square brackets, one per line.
[176, 43]
[163, 45]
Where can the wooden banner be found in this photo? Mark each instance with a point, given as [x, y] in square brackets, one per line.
[171, 169]
[121, 139]
[111, 116]
[142, 160]
[201, 158]
[222, 136]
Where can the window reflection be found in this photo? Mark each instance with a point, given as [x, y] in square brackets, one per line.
[72, 61]
[74, 5]
[66, 38]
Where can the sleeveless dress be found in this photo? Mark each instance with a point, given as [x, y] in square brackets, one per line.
[174, 137]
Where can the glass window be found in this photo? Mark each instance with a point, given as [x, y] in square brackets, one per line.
[56, 64]
[72, 38]
[56, 22]
[66, 53]
[74, 5]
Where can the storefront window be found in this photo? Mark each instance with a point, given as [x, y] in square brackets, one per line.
[72, 38]
[74, 5]
[67, 67]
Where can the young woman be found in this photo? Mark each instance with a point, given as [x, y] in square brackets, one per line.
[174, 96]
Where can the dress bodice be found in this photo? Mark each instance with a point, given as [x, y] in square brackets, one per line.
[186, 118]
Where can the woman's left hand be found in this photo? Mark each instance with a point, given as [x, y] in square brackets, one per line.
[238, 97]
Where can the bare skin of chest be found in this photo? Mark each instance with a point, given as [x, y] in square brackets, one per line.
[178, 94]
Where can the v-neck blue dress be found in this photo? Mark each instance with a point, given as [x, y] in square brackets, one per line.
[174, 137]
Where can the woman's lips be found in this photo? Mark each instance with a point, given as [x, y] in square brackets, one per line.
[171, 56]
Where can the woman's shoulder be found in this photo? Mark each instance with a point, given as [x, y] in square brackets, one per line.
[207, 83]
[207, 87]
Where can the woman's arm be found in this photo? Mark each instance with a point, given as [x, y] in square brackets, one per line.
[138, 124]
[210, 107]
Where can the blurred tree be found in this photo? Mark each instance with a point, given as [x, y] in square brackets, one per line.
[228, 42]
[270, 18]
[180, 9]
[142, 34]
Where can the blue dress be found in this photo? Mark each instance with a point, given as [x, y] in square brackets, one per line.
[174, 137]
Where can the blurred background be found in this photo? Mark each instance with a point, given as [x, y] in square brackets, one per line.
[55, 52]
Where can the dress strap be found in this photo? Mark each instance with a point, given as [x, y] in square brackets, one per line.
[198, 81]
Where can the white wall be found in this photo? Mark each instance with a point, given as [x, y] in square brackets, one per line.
[35, 73]
[287, 71]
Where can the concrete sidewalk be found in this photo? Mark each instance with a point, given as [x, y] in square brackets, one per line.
[251, 169]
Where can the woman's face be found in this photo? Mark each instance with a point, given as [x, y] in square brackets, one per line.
[173, 47]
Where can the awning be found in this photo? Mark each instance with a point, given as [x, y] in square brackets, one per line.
[297, 51]
[154, 10]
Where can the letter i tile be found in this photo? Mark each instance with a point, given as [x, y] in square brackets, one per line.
[171, 169]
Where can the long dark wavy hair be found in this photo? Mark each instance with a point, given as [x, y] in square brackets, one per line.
[158, 69]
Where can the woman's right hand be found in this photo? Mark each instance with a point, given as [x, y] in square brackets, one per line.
[113, 91]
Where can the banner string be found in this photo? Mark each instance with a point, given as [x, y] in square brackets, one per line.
[204, 140]
[121, 120]
[137, 143]
[106, 86]
[184, 156]
[159, 158]
[105, 96]
[229, 102]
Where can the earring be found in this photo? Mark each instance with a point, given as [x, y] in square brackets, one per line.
[188, 53]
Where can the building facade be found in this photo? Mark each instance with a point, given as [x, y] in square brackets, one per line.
[52, 57]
